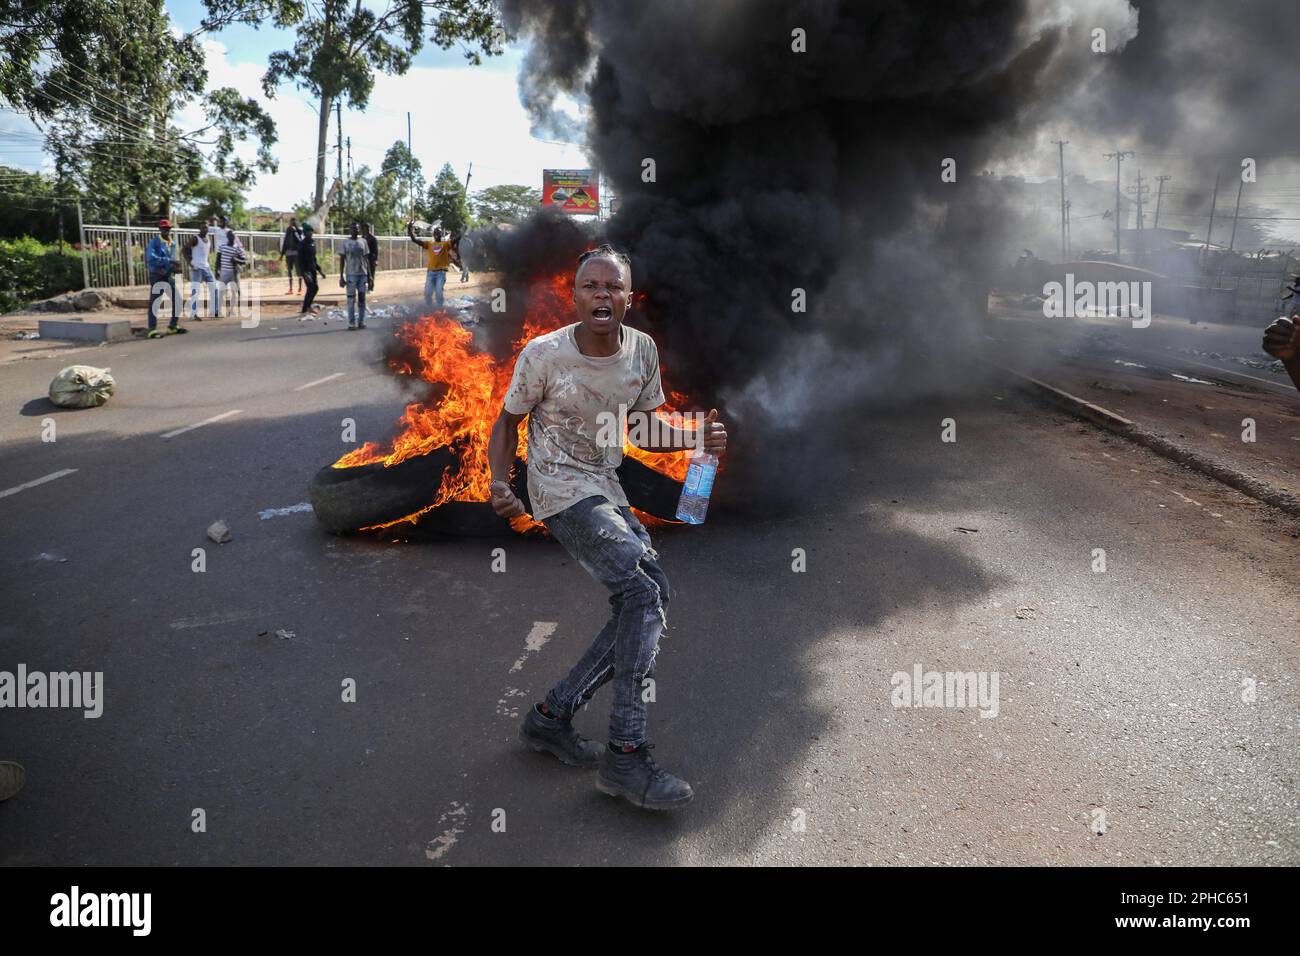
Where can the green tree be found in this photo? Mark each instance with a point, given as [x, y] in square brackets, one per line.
[217, 196]
[103, 79]
[404, 166]
[446, 202]
[31, 204]
[341, 43]
[506, 203]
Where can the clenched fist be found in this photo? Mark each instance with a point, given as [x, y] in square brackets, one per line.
[504, 501]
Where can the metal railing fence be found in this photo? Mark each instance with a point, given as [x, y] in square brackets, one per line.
[113, 256]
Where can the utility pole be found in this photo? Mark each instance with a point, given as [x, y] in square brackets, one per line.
[1139, 192]
[410, 168]
[81, 238]
[350, 206]
[1068, 204]
[1061, 144]
[130, 256]
[1160, 191]
[1235, 212]
[468, 174]
[1213, 202]
[1119, 156]
[338, 114]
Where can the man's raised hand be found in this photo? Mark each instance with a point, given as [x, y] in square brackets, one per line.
[713, 435]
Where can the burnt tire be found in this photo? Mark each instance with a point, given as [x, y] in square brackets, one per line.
[347, 499]
[648, 490]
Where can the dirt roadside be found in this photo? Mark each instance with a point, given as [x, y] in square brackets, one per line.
[404, 286]
[1242, 416]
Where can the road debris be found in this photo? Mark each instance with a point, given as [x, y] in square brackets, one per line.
[1026, 613]
[967, 530]
[280, 512]
[82, 386]
[285, 635]
[219, 532]
[1113, 387]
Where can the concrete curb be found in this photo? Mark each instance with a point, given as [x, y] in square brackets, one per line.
[1081, 408]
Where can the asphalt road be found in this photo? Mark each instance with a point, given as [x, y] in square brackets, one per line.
[1123, 706]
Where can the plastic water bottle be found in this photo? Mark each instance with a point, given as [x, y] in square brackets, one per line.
[694, 503]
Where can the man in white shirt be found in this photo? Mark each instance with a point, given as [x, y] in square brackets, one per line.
[197, 251]
[567, 383]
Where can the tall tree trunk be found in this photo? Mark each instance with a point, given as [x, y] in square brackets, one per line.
[322, 131]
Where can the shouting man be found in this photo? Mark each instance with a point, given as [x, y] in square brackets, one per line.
[570, 383]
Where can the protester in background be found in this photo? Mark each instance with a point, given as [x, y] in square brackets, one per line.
[162, 279]
[372, 244]
[439, 253]
[289, 252]
[223, 227]
[354, 272]
[232, 257]
[456, 257]
[308, 268]
[196, 253]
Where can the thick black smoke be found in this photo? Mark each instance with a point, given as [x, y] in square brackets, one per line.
[778, 169]
[819, 170]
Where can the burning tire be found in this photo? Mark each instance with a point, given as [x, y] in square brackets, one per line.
[648, 490]
[348, 499]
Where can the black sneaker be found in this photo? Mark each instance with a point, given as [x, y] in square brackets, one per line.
[549, 735]
[637, 779]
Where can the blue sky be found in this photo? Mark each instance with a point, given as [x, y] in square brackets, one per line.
[460, 114]
[247, 44]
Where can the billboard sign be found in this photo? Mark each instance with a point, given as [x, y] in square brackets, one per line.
[571, 190]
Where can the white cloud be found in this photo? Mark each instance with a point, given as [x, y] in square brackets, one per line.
[458, 115]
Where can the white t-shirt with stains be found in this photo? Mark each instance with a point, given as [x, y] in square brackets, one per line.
[569, 397]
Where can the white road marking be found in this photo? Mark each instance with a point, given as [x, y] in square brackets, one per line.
[38, 481]
[535, 641]
[206, 421]
[319, 381]
[279, 512]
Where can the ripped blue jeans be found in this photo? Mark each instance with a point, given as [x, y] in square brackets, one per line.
[613, 547]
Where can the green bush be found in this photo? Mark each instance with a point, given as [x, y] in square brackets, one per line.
[31, 269]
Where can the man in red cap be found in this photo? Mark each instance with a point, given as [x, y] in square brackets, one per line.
[162, 278]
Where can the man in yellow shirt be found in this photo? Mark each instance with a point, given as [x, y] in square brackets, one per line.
[440, 253]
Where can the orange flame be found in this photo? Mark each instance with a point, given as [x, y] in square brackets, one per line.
[469, 388]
